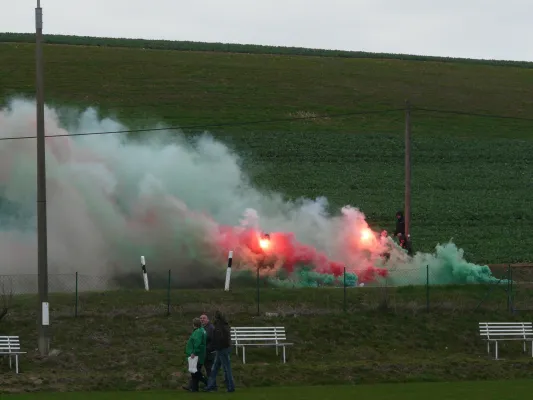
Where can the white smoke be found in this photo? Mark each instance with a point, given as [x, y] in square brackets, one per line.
[111, 200]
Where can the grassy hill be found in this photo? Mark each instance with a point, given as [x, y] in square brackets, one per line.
[471, 174]
[125, 340]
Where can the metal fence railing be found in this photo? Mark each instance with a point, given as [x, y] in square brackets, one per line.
[416, 290]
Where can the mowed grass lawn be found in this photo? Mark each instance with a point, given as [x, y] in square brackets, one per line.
[471, 176]
[480, 390]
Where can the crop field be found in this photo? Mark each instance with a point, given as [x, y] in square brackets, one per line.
[471, 175]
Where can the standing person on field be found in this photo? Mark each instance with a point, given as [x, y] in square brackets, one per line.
[210, 349]
[222, 345]
[400, 224]
[196, 346]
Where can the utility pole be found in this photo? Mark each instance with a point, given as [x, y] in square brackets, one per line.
[407, 211]
[42, 252]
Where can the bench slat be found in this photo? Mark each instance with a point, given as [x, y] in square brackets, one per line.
[504, 330]
[259, 328]
[258, 333]
[505, 327]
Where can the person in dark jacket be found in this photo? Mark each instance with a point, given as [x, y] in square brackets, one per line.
[400, 224]
[210, 349]
[222, 345]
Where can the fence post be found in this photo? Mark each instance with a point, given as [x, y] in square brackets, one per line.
[344, 284]
[427, 288]
[168, 293]
[510, 289]
[257, 291]
[510, 305]
[76, 308]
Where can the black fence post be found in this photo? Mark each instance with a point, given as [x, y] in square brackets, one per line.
[344, 284]
[168, 293]
[76, 308]
[427, 288]
[257, 291]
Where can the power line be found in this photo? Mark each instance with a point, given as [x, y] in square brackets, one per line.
[215, 125]
[269, 121]
[472, 114]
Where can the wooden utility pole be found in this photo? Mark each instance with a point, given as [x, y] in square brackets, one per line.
[407, 212]
[42, 246]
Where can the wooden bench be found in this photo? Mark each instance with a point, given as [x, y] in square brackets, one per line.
[243, 336]
[500, 331]
[10, 346]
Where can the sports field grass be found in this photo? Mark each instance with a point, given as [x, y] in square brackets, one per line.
[471, 175]
[125, 340]
[495, 390]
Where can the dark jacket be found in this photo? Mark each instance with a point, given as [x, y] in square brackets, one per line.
[209, 329]
[221, 335]
[400, 224]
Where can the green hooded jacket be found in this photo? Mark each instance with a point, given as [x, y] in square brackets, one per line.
[197, 344]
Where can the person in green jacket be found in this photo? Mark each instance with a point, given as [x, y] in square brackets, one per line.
[196, 347]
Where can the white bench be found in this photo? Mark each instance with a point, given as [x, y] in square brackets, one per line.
[10, 346]
[499, 331]
[243, 336]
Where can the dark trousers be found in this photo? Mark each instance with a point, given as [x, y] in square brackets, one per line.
[222, 359]
[208, 365]
[197, 377]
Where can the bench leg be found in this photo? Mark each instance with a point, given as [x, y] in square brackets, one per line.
[284, 358]
[10, 362]
[496, 350]
[488, 347]
[244, 354]
[17, 363]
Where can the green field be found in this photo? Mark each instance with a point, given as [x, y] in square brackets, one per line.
[509, 390]
[471, 175]
[125, 340]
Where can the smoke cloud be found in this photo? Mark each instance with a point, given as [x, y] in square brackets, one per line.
[182, 203]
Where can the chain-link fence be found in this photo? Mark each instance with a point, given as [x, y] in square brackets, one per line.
[407, 290]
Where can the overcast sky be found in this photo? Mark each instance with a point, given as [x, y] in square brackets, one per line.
[494, 29]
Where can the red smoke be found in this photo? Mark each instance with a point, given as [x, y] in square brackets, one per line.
[284, 246]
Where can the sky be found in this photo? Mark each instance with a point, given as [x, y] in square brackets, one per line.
[489, 29]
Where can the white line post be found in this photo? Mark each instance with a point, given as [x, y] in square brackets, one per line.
[228, 271]
[145, 274]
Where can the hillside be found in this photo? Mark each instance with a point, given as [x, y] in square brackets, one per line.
[125, 340]
[471, 174]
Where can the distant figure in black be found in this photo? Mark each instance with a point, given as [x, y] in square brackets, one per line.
[400, 224]
[405, 244]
